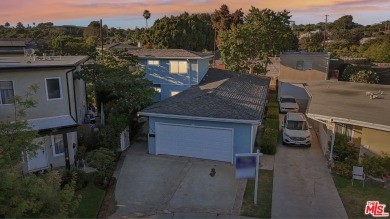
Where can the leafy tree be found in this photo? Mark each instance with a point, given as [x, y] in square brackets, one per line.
[7, 25]
[351, 70]
[222, 19]
[192, 32]
[365, 76]
[378, 51]
[19, 25]
[103, 159]
[312, 43]
[146, 15]
[265, 33]
[93, 29]
[122, 91]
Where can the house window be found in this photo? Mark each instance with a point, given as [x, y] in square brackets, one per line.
[57, 143]
[173, 93]
[178, 67]
[6, 92]
[153, 62]
[53, 88]
[304, 65]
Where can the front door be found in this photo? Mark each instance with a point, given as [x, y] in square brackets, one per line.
[39, 161]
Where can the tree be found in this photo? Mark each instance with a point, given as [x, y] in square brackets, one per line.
[146, 15]
[93, 29]
[123, 91]
[223, 20]
[312, 43]
[7, 25]
[265, 33]
[31, 195]
[103, 159]
[192, 32]
[378, 50]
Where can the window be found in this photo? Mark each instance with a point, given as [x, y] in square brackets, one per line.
[304, 65]
[53, 88]
[153, 62]
[296, 125]
[57, 143]
[178, 67]
[173, 93]
[6, 92]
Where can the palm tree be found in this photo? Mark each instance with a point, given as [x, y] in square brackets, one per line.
[146, 16]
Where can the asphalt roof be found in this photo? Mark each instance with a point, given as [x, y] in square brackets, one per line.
[348, 100]
[169, 53]
[221, 94]
[49, 61]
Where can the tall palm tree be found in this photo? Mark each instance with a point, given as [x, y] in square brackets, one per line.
[146, 16]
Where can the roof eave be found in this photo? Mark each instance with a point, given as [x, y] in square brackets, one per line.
[349, 121]
[210, 119]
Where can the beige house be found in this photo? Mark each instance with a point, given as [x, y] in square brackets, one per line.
[61, 104]
[360, 111]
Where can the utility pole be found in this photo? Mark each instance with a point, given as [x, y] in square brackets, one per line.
[215, 42]
[101, 35]
[326, 27]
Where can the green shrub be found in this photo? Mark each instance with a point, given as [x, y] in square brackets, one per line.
[344, 168]
[269, 141]
[77, 174]
[351, 70]
[103, 159]
[272, 103]
[343, 150]
[365, 76]
[272, 113]
[271, 124]
[376, 166]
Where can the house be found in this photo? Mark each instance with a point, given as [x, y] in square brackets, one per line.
[357, 110]
[12, 47]
[297, 68]
[214, 120]
[117, 46]
[172, 70]
[61, 104]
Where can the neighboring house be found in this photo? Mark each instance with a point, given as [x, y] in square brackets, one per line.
[61, 105]
[297, 68]
[12, 47]
[345, 107]
[215, 120]
[117, 46]
[172, 70]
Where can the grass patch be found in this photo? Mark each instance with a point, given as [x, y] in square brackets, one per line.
[92, 198]
[355, 197]
[272, 113]
[264, 196]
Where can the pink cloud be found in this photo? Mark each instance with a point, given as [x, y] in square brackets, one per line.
[55, 10]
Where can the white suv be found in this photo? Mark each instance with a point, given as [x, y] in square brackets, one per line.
[296, 129]
[288, 104]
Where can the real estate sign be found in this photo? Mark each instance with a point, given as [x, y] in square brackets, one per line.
[246, 166]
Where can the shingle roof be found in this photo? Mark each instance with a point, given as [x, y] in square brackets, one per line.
[221, 94]
[169, 53]
[348, 100]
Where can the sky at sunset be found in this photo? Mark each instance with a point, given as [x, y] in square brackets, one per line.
[128, 13]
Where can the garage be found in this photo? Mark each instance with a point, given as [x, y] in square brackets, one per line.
[213, 143]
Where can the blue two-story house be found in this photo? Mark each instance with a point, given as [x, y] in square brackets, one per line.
[172, 70]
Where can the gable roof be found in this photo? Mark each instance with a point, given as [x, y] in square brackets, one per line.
[347, 102]
[221, 96]
[169, 54]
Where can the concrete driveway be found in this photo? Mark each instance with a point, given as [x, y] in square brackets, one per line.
[303, 186]
[149, 185]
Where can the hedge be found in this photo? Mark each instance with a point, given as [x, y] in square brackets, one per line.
[269, 141]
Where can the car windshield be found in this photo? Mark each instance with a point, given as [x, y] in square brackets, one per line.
[288, 100]
[297, 125]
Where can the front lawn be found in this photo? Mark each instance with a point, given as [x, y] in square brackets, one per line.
[355, 197]
[92, 198]
[264, 196]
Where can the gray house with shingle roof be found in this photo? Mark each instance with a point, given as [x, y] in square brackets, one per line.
[172, 70]
[214, 120]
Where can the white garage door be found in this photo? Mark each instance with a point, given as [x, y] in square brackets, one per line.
[195, 141]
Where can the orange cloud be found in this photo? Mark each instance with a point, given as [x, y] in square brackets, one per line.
[56, 11]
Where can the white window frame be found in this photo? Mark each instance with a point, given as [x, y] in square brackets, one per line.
[13, 93]
[47, 93]
[153, 62]
[54, 147]
[173, 62]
